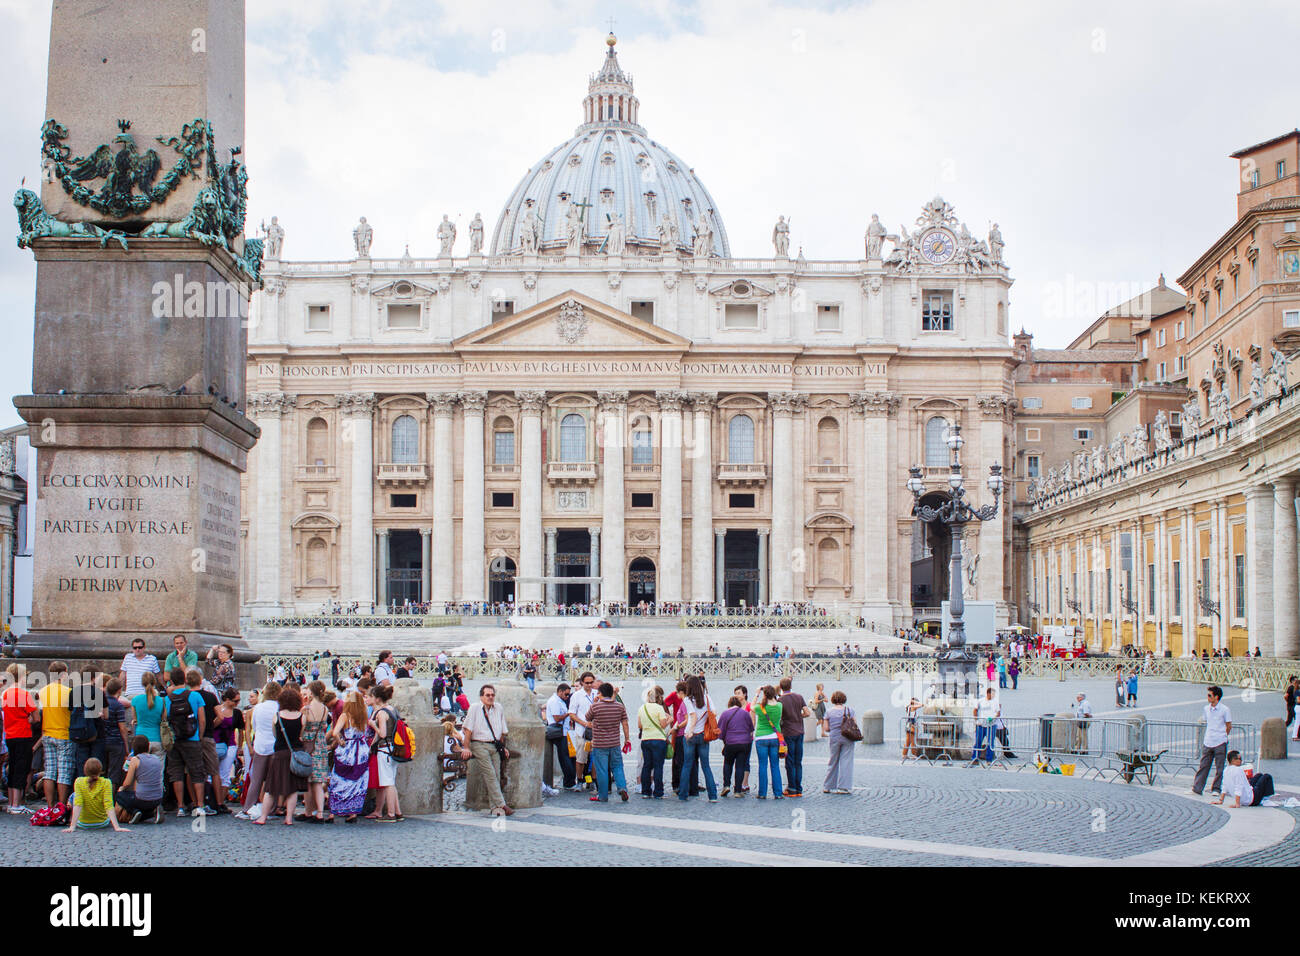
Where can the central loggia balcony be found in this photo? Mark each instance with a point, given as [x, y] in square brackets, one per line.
[402, 473]
[742, 474]
[569, 474]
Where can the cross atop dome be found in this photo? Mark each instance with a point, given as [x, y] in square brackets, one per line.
[610, 100]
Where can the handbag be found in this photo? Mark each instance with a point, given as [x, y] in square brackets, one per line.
[849, 729]
[299, 760]
[165, 731]
[711, 732]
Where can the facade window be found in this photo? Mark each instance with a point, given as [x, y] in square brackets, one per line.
[1081, 402]
[740, 316]
[1160, 338]
[1178, 590]
[828, 441]
[573, 438]
[1180, 364]
[502, 308]
[936, 444]
[1179, 330]
[1205, 577]
[318, 318]
[403, 317]
[1144, 346]
[643, 499]
[740, 440]
[1151, 589]
[503, 499]
[1092, 580]
[1239, 584]
[1291, 319]
[828, 318]
[936, 312]
[643, 452]
[1032, 464]
[1083, 434]
[1281, 169]
[1161, 373]
[643, 310]
[1110, 592]
[1033, 434]
[1254, 178]
[1031, 403]
[318, 442]
[503, 441]
[406, 440]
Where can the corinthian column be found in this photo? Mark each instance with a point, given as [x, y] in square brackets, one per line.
[782, 559]
[471, 526]
[1259, 568]
[702, 583]
[530, 493]
[873, 493]
[992, 551]
[1285, 643]
[269, 408]
[670, 496]
[358, 409]
[443, 457]
[613, 584]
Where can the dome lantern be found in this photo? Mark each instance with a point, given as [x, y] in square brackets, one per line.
[610, 99]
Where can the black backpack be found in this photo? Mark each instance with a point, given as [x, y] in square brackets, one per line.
[184, 722]
[83, 717]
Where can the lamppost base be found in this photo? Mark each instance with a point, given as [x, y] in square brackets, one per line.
[958, 675]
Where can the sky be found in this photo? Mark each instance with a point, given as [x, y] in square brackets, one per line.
[1096, 134]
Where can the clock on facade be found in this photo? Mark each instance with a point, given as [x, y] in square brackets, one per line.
[938, 246]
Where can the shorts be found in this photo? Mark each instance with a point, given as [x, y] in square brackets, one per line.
[387, 768]
[60, 760]
[186, 757]
[128, 801]
[211, 764]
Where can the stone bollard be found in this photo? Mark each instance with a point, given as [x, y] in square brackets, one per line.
[526, 740]
[1272, 739]
[1062, 727]
[419, 782]
[812, 728]
[1137, 734]
[873, 727]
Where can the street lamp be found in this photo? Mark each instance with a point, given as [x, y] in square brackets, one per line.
[956, 664]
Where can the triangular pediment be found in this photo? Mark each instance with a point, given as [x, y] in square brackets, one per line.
[572, 322]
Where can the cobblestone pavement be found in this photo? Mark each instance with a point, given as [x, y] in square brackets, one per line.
[897, 815]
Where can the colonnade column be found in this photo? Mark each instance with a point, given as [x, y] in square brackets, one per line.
[381, 568]
[1259, 569]
[1212, 588]
[702, 552]
[426, 565]
[471, 526]
[269, 410]
[1162, 586]
[994, 411]
[442, 459]
[613, 584]
[1116, 578]
[530, 493]
[550, 566]
[670, 496]
[720, 565]
[358, 409]
[1191, 574]
[1285, 641]
[594, 570]
[782, 560]
[873, 502]
[763, 536]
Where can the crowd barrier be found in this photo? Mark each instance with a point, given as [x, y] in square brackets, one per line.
[362, 620]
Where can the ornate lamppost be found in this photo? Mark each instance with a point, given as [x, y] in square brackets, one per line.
[956, 664]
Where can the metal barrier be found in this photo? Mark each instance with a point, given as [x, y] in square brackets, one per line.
[778, 621]
[363, 620]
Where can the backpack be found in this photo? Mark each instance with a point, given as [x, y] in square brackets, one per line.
[83, 726]
[182, 719]
[401, 744]
[55, 816]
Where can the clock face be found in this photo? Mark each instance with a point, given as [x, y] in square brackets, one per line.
[938, 246]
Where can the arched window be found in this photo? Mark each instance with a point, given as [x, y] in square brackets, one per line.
[573, 438]
[828, 441]
[936, 445]
[740, 440]
[317, 562]
[318, 442]
[406, 440]
[643, 452]
[503, 441]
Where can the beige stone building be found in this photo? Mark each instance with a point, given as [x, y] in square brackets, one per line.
[602, 390]
[1176, 531]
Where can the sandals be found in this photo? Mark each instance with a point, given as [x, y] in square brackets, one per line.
[350, 819]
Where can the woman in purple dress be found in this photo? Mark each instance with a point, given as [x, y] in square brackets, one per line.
[351, 738]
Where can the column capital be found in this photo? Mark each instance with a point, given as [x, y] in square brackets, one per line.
[1285, 484]
[550, 532]
[874, 403]
[441, 402]
[531, 400]
[702, 402]
[381, 532]
[671, 400]
[612, 401]
[594, 531]
[426, 532]
[271, 404]
[996, 406]
[473, 401]
[786, 403]
[719, 532]
[764, 532]
[357, 403]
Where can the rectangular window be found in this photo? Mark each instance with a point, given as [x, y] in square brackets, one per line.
[1161, 373]
[1160, 338]
[401, 501]
[1032, 466]
[1110, 592]
[1254, 178]
[1288, 226]
[936, 311]
[1083, 434]
[643, 452]
[503, 448]
[643, 499]
[1031, 403]
[502, 308]
[1281, 169]
[1178, 590]
[642, 309]
[828, 318]
[503, 499]
[1092, 581]
[1151, 589]
[1175, 418]
[1144, 347]
[1205, 578]
[318, 318]
[740, 501]
[1180, 329]
[1081, 401]
[1291, 319]
[1180, 364]
[738, 316]
[1239, 584]
[403, 317]
[1033, 434]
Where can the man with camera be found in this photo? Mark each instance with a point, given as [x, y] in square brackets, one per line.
[484, 730]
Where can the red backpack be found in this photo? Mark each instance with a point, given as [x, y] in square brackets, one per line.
[55, 816]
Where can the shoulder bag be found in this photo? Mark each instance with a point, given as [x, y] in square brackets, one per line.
[300, 762]
[710, 722]
[849, 729]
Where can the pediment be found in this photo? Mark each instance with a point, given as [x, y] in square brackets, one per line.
[572, 322]
[403, 289]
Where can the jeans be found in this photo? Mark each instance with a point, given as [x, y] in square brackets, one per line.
[603, 759]
[652, 766]
[1002, 678]
[768, 757]
[1215, 755]
[568, 767]
[679, 758]
[794, 763]
[532, 682]
[1262, 784]
[97, 748]
[734, 757]
[1015, 681]
[984, 736]
[697, 755]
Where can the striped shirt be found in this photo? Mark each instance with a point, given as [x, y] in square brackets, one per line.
[134, 667]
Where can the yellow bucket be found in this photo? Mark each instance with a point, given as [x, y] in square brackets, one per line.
[1067, 770]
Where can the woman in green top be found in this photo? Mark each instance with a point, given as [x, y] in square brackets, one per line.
[653, 722]
[92, 804]
[767, 741]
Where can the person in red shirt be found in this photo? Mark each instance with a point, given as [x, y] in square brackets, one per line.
[18, 708]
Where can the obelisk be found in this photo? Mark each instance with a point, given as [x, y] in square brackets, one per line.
[142, 285]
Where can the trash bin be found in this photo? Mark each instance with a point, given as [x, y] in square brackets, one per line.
[1045, 732]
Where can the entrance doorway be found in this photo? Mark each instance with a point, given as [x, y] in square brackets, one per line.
[501, 580]
[405, 567]
[740, 567]
[931, 559]
[573, 560]
[640, 582]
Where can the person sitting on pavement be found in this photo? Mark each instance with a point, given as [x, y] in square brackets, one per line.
[1245, 791]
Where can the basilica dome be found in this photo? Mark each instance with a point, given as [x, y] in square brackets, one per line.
[610, 173]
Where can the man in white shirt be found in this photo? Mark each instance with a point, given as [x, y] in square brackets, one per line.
[556, 714]
[134, 666]
[1079, 732]
[1245, 791]
[384, 669]
[987, 712]
[579, 703]
[485, 731]
[1214, 748]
